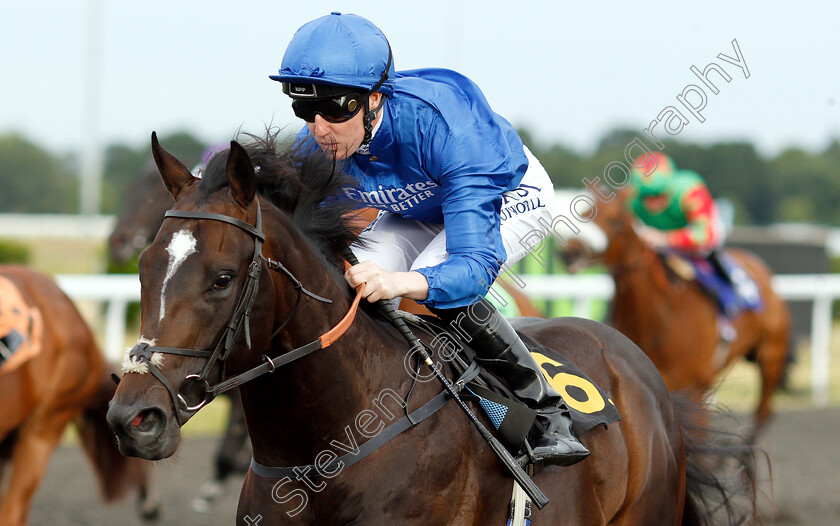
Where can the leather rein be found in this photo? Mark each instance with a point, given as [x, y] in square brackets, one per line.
[241, 317]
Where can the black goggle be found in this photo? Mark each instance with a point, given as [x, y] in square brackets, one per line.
[335, 110]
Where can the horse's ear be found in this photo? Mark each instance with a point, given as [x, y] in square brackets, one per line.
[173, 172]
[240, 175]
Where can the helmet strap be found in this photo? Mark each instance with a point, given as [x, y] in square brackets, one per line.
[371, 114]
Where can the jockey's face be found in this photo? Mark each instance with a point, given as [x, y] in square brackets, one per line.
[341, 140]
[656, 203]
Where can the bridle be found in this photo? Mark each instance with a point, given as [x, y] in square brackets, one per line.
[241, 317]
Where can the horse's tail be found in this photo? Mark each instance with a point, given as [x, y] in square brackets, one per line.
[720, 469]
[116, 473]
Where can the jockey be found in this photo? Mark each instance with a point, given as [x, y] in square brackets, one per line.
[426, 149]
[675, 204]
[679, 215]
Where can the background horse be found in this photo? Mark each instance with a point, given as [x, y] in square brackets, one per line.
[63, 380]
[142, 214]
[195, 283]
[675, 321]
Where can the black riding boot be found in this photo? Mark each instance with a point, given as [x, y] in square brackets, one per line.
[501, 351]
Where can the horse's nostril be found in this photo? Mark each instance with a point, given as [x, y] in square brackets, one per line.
[139, 419]
[147, 421]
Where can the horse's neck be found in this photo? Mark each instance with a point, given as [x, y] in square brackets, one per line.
[305, 405]
[639, 288]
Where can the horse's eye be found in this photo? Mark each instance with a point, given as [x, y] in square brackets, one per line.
[223, 281]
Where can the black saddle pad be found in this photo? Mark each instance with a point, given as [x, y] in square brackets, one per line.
[588, 403]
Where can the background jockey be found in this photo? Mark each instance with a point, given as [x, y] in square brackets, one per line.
[675, 204]
[427, 150]
[679, 215]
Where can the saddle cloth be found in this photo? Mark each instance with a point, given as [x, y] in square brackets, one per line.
[722, 278]
[588, 404]
[21, 328]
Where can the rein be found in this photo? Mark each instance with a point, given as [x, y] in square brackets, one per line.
[142, 352]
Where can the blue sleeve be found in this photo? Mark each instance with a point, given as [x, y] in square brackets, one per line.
[473, 175]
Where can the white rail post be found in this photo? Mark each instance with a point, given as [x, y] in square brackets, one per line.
[820, 348]
[115, 329]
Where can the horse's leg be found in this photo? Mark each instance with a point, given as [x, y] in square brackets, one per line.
[235, 445]
[35, 444]
[227, 458]
[771, 359]
[772, 326]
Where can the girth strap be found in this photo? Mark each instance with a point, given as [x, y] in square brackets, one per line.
[383, 437]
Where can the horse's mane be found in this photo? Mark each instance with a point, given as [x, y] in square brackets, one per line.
[306, 188]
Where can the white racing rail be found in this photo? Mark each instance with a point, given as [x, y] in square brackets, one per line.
[118, 290]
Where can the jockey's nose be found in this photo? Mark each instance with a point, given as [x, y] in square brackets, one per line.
[322, 127]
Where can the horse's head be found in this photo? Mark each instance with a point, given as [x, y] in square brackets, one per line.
[616, 222]
[141, 216]
[199, 300]
[217, 304]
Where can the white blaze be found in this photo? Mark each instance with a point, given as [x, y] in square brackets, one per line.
[181, 246]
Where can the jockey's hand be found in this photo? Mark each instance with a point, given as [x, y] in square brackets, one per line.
[381, 284]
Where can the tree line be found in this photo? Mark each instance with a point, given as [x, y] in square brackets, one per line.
[793, 186]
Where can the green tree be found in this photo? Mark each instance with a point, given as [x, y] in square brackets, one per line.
[797, 173]
[124, 164]
[32, 180]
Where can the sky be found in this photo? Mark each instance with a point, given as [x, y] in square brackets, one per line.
[568, 72]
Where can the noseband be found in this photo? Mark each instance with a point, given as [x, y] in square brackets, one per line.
[241, 317]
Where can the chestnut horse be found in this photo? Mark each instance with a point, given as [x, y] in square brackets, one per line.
[674, 321]
[56, 375]
[244, 276]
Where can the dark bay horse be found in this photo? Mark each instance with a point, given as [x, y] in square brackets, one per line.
[137, 224]
[136, 227]
[237, 282]
[62, 378]
[675, 322]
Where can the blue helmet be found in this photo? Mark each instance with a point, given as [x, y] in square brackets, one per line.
[338, 50]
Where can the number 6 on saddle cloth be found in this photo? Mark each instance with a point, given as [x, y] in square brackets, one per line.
[589, 406]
